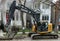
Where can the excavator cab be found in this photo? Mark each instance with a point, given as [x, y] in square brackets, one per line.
[42, 28]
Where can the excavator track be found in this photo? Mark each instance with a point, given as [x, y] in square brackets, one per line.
[29, 35]
[47, 36]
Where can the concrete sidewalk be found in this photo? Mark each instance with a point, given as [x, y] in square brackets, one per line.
[2, 33]
[22, 32]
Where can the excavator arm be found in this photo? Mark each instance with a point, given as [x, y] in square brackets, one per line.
[25, 9]
[22, 8]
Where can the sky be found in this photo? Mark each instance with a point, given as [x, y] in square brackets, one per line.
[0, 0]
[54, 1]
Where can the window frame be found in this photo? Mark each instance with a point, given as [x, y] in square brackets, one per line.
[45, 17]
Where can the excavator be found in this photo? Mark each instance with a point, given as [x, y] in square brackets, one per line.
[40, 30]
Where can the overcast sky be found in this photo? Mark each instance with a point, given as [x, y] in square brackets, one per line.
[54, 1]
[30, 0]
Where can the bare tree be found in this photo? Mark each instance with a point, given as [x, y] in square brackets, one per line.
[22, 15]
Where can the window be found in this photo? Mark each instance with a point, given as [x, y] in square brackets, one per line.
[45, 6]
[45, 17]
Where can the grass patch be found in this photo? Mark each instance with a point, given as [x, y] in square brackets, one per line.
[26, 30]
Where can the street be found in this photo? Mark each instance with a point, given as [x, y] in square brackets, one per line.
[29, 39]
[21, 37]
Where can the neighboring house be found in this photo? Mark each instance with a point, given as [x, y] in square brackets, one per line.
[43, 6]
[16, 14]
[45, 14]
[45, 10]
[5, 6]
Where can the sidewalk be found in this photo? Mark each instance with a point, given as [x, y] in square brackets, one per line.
[22, 32]
[1, 33]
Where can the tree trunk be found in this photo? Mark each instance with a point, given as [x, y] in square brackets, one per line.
[22, 16]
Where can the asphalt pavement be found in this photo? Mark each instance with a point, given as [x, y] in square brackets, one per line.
[29, 39]
[20, 38]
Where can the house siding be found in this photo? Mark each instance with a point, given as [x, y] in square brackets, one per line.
[45, 12]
